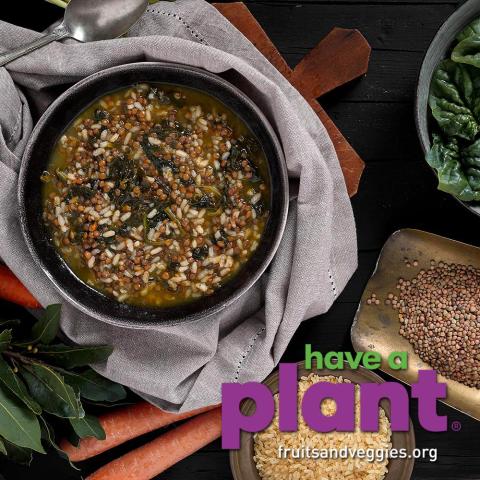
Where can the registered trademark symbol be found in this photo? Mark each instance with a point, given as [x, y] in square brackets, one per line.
[456, 426]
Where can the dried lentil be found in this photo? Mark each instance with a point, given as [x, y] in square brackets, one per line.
[439, 313]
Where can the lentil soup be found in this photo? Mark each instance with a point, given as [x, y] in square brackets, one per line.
[156, 195]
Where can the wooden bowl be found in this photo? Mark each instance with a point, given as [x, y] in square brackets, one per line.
[242, 463]
[437, 51]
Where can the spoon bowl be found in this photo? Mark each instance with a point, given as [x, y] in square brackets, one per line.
[93, 20]
[87, 21]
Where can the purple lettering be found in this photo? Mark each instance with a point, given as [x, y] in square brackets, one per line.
[370, 396]
[233, 421]
[428, 390]
[287, 404]
[344, 418]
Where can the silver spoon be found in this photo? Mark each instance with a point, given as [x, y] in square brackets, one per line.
[87, 21]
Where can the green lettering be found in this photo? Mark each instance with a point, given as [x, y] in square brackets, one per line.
[372, 360]
[334, 361]
[354, 362]
[398, 360]
[309, 356]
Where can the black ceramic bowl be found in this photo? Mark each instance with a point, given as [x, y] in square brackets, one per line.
[49, 129]
[435, 54]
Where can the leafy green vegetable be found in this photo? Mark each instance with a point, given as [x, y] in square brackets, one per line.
[107, 404]
[81, 191]
[153, 153]
[472, 29]
[122, 169]
[46, 329]
[471, 161]
[450, 96]
[468, 51]
[445, 158]
[100, 115]
[72, 437]
[455, 104]
[204, 201]
[3, 450]
[88, 426]
[18, 424]
[94, 387]
[14, 322]
[5, 339]
[14, 383]
[173, 218]
[38, 378]
[49, 437]
[473, 175]
[76, 356]
[162, 98]
[199, 253]
[471, 155]
[51, 391]
[20, 455]
[235, 158]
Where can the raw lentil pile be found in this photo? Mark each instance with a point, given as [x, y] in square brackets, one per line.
[439, 312]
[373, 300]
[156, 195]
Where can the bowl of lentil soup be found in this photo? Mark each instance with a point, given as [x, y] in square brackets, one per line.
[153, 192]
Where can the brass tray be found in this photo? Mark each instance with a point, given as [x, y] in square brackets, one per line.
[376, 327]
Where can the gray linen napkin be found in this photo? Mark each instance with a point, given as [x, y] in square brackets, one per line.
[182, 367]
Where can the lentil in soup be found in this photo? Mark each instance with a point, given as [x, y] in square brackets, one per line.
[156, 195]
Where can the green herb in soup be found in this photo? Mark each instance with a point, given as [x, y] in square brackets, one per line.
[156, 195]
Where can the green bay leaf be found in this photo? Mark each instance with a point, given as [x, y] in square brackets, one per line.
[18, 424]
[88, 426]
[3, 450]
[94, 387]
[14, 322]
[46, 329]
[20, 455]
[74, 356]
[14, 383]
[49, 389]
[49, 437]
[5, 339]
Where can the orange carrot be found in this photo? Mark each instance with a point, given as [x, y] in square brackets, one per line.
[124, 424]
[155, 457]
[12, 290]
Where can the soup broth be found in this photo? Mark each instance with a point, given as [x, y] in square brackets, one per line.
[156, 195]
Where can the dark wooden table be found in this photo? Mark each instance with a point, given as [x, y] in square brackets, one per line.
[397, 190]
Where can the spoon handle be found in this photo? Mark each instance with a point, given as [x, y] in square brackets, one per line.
[57, 34]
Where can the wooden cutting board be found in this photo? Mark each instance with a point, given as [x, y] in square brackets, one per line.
[340, 57]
